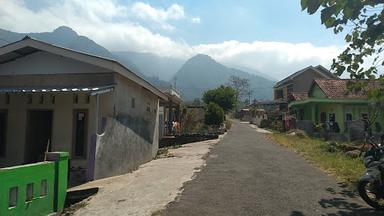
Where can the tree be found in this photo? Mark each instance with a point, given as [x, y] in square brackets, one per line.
[214, 114]
[241, 86]
[364, 21]
[223, 96]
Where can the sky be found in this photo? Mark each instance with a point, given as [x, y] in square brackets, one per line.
[272, 37]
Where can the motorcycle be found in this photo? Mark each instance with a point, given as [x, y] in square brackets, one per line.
[371, 185]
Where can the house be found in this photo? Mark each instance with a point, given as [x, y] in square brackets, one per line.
[297, 86]
[334, 107]
[169, 111]
[57, 99]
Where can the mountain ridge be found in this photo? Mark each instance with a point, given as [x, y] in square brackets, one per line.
[193, 77]
[201, 73]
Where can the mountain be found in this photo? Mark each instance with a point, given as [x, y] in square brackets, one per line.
[201, 73]
[66, 37]
[62, 36]
[163, 67]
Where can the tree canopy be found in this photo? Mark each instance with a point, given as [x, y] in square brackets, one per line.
[363, 19]
[223, 96]
[214, 114]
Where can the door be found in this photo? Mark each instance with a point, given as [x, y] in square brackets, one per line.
[39, 133]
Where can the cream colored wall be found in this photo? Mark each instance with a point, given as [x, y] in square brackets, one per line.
[123, 93]
[131, 137]
[62, 122]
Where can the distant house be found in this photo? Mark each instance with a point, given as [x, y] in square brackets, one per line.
[58, 99]
[296, 86]
[332, 105]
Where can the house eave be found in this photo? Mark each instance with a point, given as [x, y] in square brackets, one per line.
[328, 101]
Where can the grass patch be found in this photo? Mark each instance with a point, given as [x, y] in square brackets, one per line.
[336, 163]
[163, 153]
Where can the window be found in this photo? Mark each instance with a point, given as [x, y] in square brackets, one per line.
[279, 93]
[332, 117]
[289, 89]
[301, 114]
[133, 102]
[80, 133]
[12, 198]
[29, 192]
[43, 188]
[3, 132]
[348, 117]
[364, 116]
[323, 117]
[148, 107]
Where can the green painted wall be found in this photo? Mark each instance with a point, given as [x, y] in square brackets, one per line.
[55, 175]
[316, 92]
[312, 112]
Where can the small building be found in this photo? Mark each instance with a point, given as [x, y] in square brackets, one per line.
[332, 106]
[297, 85]
[169, 111]
[57, 99]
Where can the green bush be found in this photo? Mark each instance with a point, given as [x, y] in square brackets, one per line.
[265, 123]
[214, 114]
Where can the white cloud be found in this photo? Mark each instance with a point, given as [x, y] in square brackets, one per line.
[109, 24]
[158, 15]
[196, 20]
[277, 59]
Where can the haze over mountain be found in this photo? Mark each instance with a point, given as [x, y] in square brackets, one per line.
[193, 77]
[151, 64]
[201, 73]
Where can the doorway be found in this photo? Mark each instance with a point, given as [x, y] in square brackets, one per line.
[39, 134]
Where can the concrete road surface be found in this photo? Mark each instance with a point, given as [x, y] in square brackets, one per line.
[246, 174]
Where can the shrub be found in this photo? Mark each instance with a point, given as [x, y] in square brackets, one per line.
[265, 123]
[278, 125]
[214, 114]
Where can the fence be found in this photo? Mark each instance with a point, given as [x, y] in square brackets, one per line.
[34, 189]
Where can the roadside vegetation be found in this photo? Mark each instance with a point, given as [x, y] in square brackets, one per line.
[328, 156]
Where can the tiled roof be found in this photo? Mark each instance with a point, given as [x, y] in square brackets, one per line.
[298, 96]
[337, 89]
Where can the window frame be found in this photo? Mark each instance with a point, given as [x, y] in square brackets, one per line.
[74, 126]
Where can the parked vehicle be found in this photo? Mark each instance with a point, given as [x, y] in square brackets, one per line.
[371, 185]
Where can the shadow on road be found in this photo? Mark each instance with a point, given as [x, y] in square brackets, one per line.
[341, 202]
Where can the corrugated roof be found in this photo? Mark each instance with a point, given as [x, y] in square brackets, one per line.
[34, 89]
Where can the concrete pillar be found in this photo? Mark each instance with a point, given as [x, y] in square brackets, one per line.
[170, 117]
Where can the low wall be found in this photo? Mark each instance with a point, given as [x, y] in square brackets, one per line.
[34, 189]
[120, 150]
[306, 126]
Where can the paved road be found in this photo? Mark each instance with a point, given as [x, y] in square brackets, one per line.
[248, 175]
